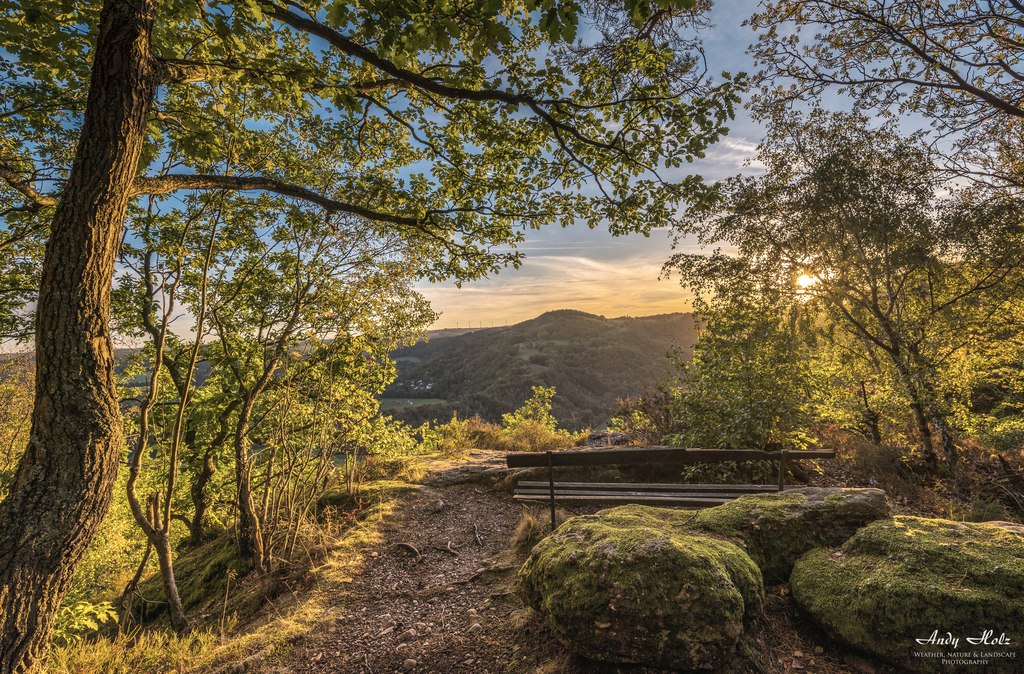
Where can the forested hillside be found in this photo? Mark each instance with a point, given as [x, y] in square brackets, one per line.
[591, 361]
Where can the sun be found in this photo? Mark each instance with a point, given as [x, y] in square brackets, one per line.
[805, 281]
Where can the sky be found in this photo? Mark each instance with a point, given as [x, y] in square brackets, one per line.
[590, 270]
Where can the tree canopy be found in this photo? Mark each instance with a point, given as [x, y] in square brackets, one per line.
[439, 130]
[957, 65]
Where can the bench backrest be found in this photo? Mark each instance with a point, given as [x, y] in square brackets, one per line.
[645, 455]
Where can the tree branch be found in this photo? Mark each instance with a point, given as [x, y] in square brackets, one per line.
[11, 177]
[171, 183]
[435, 86]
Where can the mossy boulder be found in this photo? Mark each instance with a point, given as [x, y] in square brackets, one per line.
[635, 589]
[908, 578]
[776, 529]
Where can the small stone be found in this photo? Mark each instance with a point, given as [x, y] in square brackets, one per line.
[476, 628]
[471, 613]
[818, 650]
[408, 664]
[796, 664]
[386, 632]
[387, 619]
[407, 635]
[402, 647]
[798, 654]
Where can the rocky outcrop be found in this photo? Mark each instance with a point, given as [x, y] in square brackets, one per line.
[908, 578]
[776, 529]
[635, 589]
[678, 589]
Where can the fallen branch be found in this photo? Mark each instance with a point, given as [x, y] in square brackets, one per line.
[408, 547]
[449, 549]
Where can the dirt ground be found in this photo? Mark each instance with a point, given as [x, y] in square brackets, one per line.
[437, 595]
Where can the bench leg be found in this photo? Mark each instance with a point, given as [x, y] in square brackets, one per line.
[551, 488]
[782, 470]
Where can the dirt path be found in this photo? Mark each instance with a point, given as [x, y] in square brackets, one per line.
[436, 593]
[437, 596]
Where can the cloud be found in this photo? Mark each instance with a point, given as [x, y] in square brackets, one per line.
[567, 277]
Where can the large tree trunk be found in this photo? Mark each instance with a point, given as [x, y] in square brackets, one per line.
[65, 479]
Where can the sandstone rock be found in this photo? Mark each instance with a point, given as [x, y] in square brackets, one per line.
[646, 593]
[906, 578]
[681, 589]
[776, 529]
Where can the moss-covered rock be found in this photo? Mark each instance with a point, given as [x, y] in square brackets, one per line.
[908, 578]
[776, 529]
[630, 588]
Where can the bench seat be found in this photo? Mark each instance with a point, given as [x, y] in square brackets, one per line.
[686, 495]
[655, 494]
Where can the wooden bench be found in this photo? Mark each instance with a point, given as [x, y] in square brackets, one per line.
[659, 494]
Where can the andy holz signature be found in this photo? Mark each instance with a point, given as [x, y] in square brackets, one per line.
[987, 638]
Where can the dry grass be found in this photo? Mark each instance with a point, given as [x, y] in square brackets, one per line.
[261, 642]
[534, 526]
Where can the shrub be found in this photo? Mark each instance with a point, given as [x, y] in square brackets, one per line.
[646, 420]
[76, 620]
[449, 439]
[533, 428]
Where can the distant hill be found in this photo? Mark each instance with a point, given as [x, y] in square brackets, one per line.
[591, 360]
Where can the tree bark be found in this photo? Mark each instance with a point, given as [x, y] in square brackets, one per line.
[200, 500]
[65, 479]
[925, 431]
[250, 533]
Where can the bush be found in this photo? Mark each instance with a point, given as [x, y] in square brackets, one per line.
[646, 420]
[453, 438]
[75, 621]
[531, 428]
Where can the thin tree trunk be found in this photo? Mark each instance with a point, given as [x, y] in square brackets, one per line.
[250, 535]
[151, 522]
[871, 417]
[127, 601]
[197, 530]
[65, 479]
[946, 439]
[199, 491]
[925, 431]
[165, 557]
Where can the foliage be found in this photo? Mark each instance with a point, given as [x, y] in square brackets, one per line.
[748, 384]
[534, 428]
[75, 620]
[848, 220]
[453, 438]
[956, 64]
[648, 419]
[16, 394]
[531, 428]
[452, 126]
